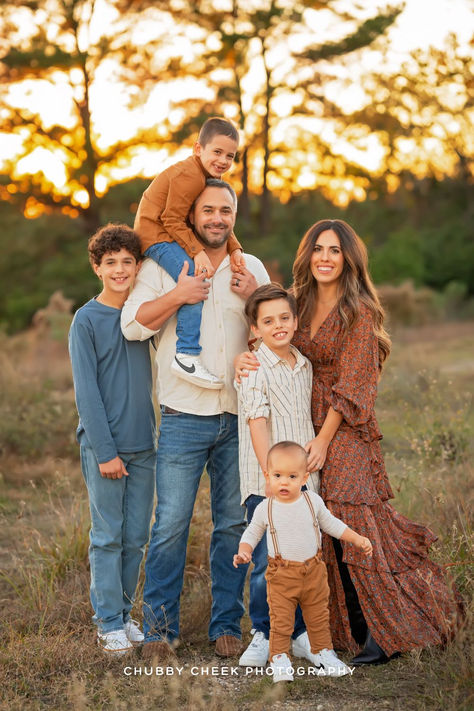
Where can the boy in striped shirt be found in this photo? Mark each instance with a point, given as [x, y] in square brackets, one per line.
[274, 405]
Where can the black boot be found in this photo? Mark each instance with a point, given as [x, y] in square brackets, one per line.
[372, 653]
[356, 616]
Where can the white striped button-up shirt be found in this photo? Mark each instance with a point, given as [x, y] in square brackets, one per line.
[283, 396]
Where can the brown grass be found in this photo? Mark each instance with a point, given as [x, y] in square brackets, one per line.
[49, 658]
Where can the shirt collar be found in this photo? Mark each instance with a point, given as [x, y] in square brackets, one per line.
[198, 161]
[273, 359]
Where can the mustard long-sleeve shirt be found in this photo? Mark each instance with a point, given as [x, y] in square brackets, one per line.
[166, 203]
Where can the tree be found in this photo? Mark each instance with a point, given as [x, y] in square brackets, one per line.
[271, 41]
[59, 49]
[422, 116]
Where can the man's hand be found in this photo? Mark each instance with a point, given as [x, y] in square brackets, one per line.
[194, 289]
[113, 469]
[243, 283]
[202, 265]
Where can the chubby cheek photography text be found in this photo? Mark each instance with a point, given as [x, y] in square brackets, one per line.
[222, 671]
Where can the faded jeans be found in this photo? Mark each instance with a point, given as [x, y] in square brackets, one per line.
[120, 516]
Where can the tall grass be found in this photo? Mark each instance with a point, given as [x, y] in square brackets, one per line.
[49, 658]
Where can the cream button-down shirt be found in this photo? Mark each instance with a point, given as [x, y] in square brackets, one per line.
[224, 334]
[282, 395]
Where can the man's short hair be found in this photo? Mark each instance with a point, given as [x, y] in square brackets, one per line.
[217, 127]
[113, 238]
[267, 292]
[217, 183]
[282, 446]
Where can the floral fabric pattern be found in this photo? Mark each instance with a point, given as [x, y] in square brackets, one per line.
[404, 596]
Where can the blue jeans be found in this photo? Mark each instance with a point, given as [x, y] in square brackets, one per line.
[171, 257]
[258, 606]
[120, 516]
[187, 444]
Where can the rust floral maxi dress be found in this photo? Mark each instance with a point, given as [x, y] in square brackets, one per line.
[403, 595]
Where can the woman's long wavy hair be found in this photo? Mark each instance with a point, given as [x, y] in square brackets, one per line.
[355, 285]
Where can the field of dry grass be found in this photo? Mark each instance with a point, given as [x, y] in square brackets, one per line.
[48, 657]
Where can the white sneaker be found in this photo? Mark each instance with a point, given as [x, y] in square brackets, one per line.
[133, 632]
[114, 643]
[328, 664]
[190, 368]
[301, 647]
[325, 660]
[282, 669]
[256, 654]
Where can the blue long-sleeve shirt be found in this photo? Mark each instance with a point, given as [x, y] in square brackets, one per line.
[112, 382]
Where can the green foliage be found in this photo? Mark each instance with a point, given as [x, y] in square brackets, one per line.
[422, 235]
[39, 257]
[399, 258]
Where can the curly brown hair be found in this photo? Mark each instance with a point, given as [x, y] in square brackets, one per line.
[355, 286]
[113, 238]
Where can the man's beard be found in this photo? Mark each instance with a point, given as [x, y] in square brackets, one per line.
[216, 242]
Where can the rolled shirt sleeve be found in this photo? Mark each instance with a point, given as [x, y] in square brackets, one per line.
[147, 288]
[254, 396]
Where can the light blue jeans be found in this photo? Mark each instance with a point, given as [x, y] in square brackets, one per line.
[186, 445]
[171, 257]
[120, 516]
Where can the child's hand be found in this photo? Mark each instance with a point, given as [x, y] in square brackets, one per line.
[202, 264]
[365, 545]
[113, 469]
[237, 261]
[242, 558]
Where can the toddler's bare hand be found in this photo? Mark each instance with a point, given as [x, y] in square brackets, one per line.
[241, 559]
[365, 545]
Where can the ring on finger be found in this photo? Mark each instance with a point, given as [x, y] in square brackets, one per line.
[237, 282]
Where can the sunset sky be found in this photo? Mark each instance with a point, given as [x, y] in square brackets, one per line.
[422, 23]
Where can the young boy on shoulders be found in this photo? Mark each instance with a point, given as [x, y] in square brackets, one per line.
[166, 235]
[296, 573]
[116, 433]
[274, 405]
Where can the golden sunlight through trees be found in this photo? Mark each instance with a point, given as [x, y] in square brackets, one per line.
[96, 93]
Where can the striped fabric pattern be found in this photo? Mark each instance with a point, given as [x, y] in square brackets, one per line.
[283, 396]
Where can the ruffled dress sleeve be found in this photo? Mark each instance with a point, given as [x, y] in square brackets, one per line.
[354, 392]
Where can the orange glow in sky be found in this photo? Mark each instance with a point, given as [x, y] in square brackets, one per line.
[422, 23]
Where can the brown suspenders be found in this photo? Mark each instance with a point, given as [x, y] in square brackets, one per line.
[272, 527]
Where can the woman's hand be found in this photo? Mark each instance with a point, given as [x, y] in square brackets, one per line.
[317, 450]
[243, 363]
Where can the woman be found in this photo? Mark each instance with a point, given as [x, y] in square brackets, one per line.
[398, 599]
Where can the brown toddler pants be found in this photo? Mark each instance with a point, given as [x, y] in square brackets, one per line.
[290, 583]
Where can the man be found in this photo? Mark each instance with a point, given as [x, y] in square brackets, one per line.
[198, 426]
